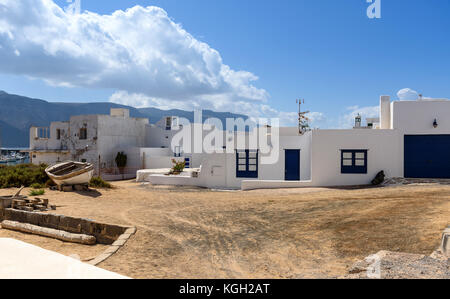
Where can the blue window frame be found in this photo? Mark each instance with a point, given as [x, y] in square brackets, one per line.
[247, 163]
[353, 161]
[187, 162]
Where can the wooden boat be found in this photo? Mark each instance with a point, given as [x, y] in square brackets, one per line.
[70, 173]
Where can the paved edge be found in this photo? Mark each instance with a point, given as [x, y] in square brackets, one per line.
[114, 247]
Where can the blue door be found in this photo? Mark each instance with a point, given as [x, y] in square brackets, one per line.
[427, 156]
[292, 165]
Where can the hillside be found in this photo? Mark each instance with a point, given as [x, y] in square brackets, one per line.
[19, 113]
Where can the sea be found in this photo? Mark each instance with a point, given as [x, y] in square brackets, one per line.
[5, 152]
[11, 163]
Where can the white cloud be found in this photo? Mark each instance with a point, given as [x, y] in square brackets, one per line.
[219, 103]
[407, 94]
[347, 120]
[140, 51]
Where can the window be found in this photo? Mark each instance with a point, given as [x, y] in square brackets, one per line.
[247, 163]
[177, 151]
[43, 133]
[354, 161]
[168, 123]
[58, 134]
[83, 134]
[187, 162]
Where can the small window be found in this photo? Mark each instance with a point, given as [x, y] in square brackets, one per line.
[247, 164]
[168, 123]
[83, 134]
[58, 134]
[354, 161]
[43, 133]
[177, 151]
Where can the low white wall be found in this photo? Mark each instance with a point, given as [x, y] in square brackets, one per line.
[118, 177]
[158, 179]
[252, 185]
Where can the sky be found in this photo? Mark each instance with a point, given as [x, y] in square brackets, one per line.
[247, 56]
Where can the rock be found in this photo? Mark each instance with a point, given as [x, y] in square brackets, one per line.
[394, 265]
[445, 244]
[66, 188]
[379, 179]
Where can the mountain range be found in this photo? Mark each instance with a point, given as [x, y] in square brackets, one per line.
[19, 113]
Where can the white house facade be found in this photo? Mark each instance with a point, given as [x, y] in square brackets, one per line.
[410, 139]
[94, 139]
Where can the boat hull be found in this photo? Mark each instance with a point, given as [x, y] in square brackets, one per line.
[79, 177]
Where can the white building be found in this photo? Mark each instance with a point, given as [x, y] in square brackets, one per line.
[411, 139]
[91, 138]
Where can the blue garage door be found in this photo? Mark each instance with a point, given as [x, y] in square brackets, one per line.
[427, 156]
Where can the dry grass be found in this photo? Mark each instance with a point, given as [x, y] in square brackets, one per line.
[195, 233]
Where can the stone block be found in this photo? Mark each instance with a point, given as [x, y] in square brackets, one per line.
[99, 259]
[67, 188]
[80, 187]
[53, 221]
[63, 222]
[114, 231]
[111, 249]
[124, 236]
[119, 242]
[33, 218]
[73, 224]
[445, 245]
[15, 215]
[98, 228]
[130, 230]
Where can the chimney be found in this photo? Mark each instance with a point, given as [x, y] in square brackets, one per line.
[358, 121]
[385, 112]
[120, 112]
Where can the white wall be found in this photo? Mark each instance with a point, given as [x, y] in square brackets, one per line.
[385, 152]
[277, 171]
[219, 170]
[84, 149]
[52, 142]
[49, 158]
[417, 117]
[158, 137]
[116, 134]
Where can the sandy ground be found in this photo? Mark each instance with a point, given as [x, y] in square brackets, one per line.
[293, 233]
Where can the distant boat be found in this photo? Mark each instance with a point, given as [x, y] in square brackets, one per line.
[7, 159]
[20, 157]
[70, 173]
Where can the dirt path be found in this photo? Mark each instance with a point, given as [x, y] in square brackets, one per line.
[296, 233]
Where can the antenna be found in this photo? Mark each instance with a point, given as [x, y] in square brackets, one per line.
[303, 125]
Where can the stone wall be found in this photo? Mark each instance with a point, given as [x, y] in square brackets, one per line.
[105, 233]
